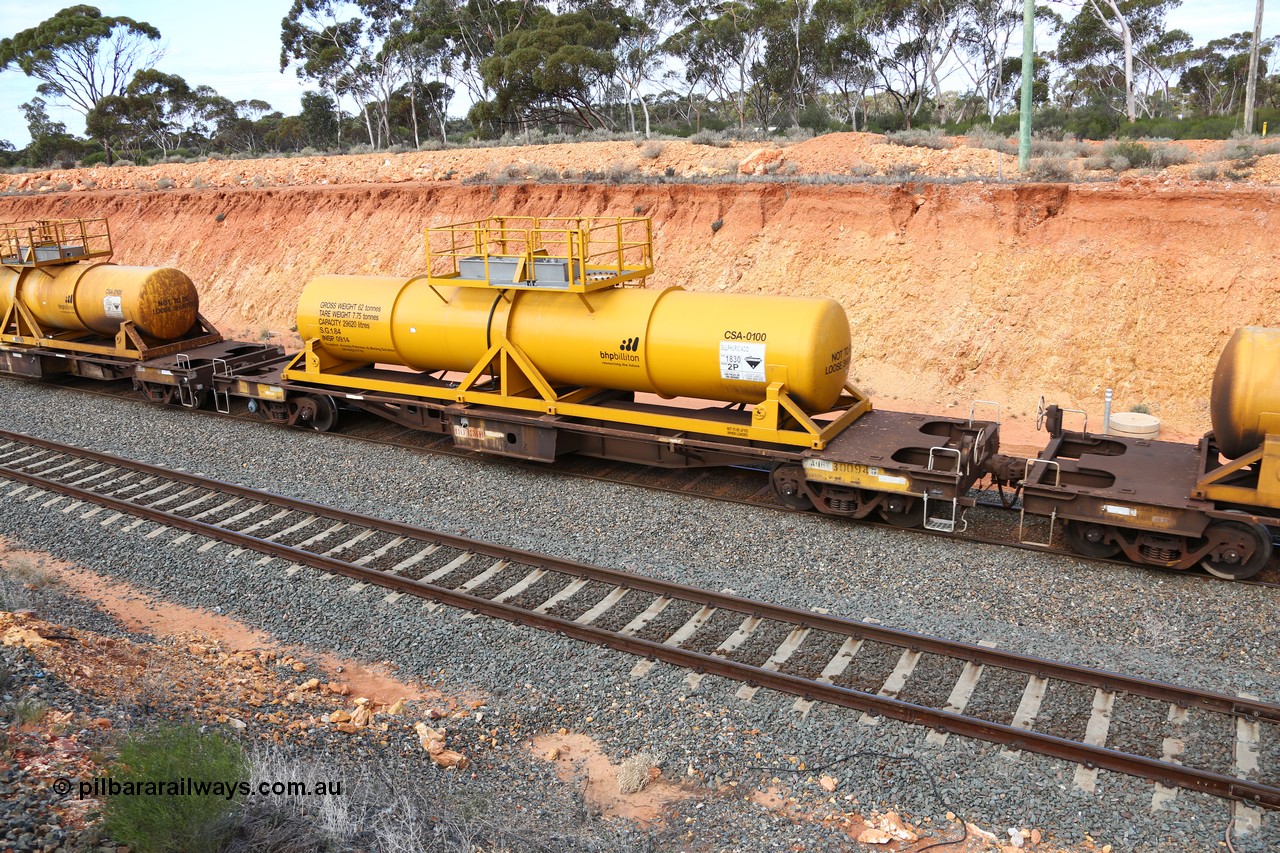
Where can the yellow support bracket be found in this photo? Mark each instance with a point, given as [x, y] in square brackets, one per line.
[1266, 493]
[312, 358]
[517, 377]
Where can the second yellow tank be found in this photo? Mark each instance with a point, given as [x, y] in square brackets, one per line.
[671, 342]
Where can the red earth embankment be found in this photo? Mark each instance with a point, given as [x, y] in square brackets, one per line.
[955, 292]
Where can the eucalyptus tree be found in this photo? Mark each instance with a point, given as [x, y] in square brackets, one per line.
[1114, 46]
[342, 45]
[721, 44]
[1216, 76]
[986, 50]
[81, 56]
[640, 52]
[554, 70]
[846, 59]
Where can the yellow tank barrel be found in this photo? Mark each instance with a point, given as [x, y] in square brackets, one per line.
[669, 342]
[1244, 405]
[161, 302]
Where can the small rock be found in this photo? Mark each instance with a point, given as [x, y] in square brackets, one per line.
[974, 829]
[299, 666]
[238, 725]
[1015, 837]
[871, 835]
[396, 707]
[829, 783]
[552, 754]
[339, 716]
[309, 684]
[1036, 835]
[198, 649]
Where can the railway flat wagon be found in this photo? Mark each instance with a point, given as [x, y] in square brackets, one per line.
[1215, 504]
[530, 337]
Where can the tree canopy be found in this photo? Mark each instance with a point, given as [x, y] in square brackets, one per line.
[386, 72]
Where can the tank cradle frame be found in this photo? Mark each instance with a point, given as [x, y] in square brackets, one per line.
[20, 328]
[521, 387]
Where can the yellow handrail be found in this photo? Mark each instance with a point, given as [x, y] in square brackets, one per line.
[63, 241]
[599, 252]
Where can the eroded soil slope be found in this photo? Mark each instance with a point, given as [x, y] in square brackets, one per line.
[955, 292]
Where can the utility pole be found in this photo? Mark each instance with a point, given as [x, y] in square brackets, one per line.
[1251, 87]
[1028, 74]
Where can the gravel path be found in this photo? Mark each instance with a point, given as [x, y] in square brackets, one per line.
[1214, 636]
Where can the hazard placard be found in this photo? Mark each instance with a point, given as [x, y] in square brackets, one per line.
[742, 362]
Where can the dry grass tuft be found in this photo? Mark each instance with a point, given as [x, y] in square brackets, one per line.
[633, 774]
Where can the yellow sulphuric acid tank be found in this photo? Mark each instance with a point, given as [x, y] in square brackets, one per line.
[161, 302]
[671, 342]
[1246, 389]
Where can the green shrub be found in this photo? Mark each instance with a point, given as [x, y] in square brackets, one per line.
[1059, 148]
[1051, 170]
[1164, 156]
[916, 138]
[194, 823]
[713, 138]
[981, 136]
[1127, 155]
[93, 159]
[1206, 172]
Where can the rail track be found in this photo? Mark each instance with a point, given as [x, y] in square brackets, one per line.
[731, 485]
[811, 655]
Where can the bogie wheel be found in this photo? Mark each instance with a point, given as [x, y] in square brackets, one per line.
[317, 412]
[1090, 539]
[903, 510]
[1243, 551]
[788, 487]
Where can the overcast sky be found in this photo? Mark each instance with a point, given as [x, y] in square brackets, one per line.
[234, 46]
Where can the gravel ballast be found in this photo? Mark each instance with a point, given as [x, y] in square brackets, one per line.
[1215, 636]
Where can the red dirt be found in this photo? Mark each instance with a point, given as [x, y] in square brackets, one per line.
[139, 610]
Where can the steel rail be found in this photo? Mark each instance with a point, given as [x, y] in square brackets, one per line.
[1167, 773]
[1111, 682]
